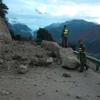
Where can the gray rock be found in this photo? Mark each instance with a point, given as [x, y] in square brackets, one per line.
[66, 75]
[5, 92]
[78, 97]
[40, 93]
[50, 60]
[69, 59]
[1, 61]
[22, 69]
[54, 48]
[39, 55]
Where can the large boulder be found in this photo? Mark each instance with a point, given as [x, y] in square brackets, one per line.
[53, 47]
[69, 59]
[49, 45]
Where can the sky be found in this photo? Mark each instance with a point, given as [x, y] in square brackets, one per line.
[40, 13]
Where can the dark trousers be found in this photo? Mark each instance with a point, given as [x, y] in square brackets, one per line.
[83, 64]
[64, 41]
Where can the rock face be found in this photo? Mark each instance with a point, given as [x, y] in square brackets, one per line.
[68, 58]
[4, 32]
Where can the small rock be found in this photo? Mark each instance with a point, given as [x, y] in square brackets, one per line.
[66, 75]
[78, 97]
[1, 61]
[98, 83]
[22, 69]
[57, 91]
[52, 54]
[16, 57]
[98, 96]
[68, 94]
[48, 77]
[35, 85]
[5, 92]
[40, 93]
[50, 60]
[39, 56]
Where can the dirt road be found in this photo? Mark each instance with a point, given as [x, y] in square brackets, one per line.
[49, 84]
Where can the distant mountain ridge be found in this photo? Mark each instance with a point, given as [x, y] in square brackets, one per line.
[21, 29]
[75, 28]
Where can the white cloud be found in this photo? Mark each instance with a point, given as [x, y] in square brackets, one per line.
[50, 11]
[63, 10]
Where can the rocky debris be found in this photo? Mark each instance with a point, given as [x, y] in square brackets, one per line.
[52, 54]
[16, 57]
[98, 83]
[68, 58]
[35, 85]
[98, 96]
[57, 91]
[49, 60]
[41, 61]
[40, 93]
[66, 75]
[65, 56]
[18, 53]
[1, 61]
[5, 92]
[39, 55]
[22, 69]
[49, 77]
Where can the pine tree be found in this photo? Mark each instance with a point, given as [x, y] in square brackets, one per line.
[3, 10]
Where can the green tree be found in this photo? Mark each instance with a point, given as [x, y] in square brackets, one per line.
[43, 34]
[3, 9]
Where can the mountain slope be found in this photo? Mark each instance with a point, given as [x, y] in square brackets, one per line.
[92, 40]
[21, 29]
[75, 27]
[79, 29]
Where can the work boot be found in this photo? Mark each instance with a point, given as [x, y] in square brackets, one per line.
[81, 69]
[87, 67]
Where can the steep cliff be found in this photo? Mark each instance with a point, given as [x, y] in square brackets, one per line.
[4, 32]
